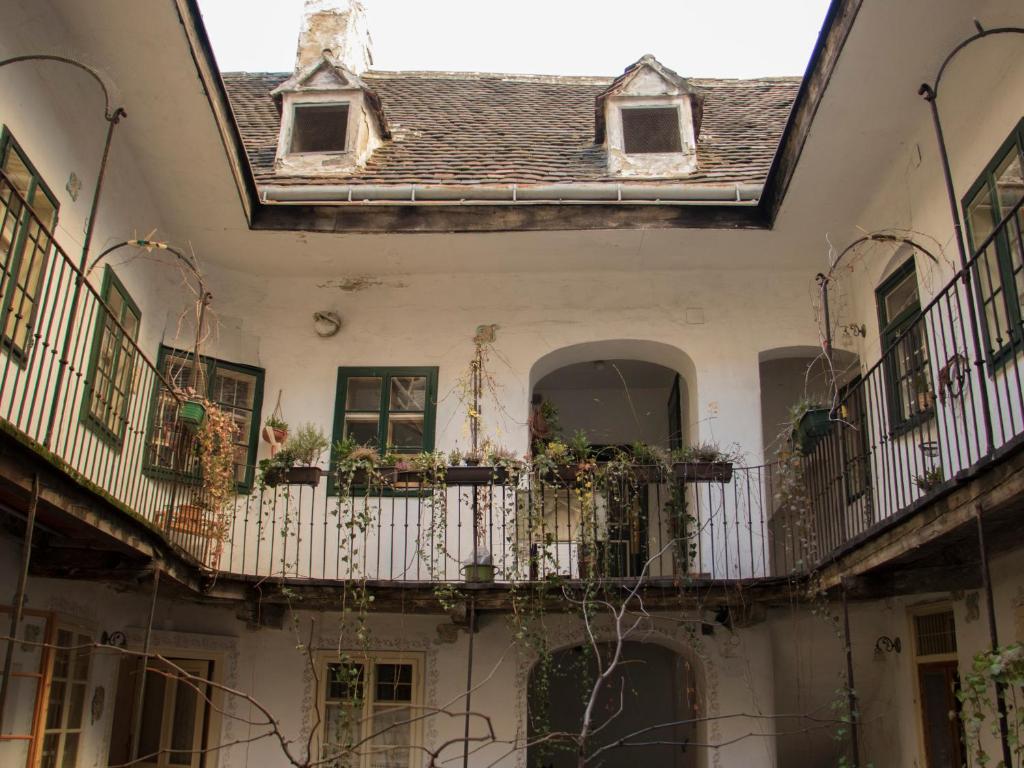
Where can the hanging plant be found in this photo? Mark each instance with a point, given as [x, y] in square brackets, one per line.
[216, 439]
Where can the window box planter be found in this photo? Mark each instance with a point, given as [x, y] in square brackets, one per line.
[385, 476]
[303, 476]
[478, 573]
[703, 471]
[192, 413]
[812, 427]
[566, 474]
[476, 475]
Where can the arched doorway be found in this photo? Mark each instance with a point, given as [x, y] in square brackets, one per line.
[652, 685]
[620, 390]
[617, 393]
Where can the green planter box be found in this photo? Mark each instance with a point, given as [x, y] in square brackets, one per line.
[192, 413]
[813, 426]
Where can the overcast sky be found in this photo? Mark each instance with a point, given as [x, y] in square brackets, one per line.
[697, 38]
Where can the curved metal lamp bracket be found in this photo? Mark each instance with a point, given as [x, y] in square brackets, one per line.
[930, 92]
[111, 114]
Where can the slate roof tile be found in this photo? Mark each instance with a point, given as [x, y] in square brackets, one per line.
[469, 128]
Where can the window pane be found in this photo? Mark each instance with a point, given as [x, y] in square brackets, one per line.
[901, 297]
[152, 714]
[648, 130]
[76, 702]
[183, 723]
[405, 431]
[55, 706]
[1009, 181]
[390, 749]
[50, 743]
[394, 682]
[320, 128]
[408, 393]
[70, 757]
[17, 171]
[341, 726]
[363, 394]
[344, 681]
[362, 429]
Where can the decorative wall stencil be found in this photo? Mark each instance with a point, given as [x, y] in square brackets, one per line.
[96, 708]
[74, 186]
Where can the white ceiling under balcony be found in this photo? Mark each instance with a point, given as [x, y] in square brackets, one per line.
[859, 136]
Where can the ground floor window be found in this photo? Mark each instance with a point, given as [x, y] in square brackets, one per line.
[368, 707]
[171, 731]
[46, 701]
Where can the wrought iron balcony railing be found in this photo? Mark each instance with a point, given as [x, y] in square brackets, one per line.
[76, 387]
[946, 397]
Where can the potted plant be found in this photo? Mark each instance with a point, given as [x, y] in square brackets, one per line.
[306, 446]
[479, 568]
[703, 463]
[362, 466]
[275, 432]
[811, 422]
[273, 471]
[192, 410]
[930, 479]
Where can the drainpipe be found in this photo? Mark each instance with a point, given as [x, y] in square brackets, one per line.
[851, 693]
[993, 635]
[140, 684]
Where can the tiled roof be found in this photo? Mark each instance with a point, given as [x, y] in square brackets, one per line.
[468, 128]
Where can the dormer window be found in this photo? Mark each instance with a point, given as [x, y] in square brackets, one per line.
[648, 130]
[648, 121]
[319, 128]
[331, 121]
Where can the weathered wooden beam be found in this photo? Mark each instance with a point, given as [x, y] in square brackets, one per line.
[914, 581]
[535, 217]
[999, 486]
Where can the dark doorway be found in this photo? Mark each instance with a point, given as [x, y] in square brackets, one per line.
[651, 685]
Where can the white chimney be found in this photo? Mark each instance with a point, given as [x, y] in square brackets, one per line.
[336, 26]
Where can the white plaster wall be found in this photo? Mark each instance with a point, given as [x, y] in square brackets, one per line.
[733, 669]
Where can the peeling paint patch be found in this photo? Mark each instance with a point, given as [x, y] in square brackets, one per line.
[359, 283]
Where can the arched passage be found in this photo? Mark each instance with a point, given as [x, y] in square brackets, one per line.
[619, 391]
[651, 686]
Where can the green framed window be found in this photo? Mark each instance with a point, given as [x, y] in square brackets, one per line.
[999, 269]
[232, 387]
[387, 408]
[908, 381]
[25, 240]
[109, 377]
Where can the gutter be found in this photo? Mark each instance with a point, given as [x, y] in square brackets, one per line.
[511, 194]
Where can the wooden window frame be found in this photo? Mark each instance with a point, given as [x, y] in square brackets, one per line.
[369, 660]
[385, 373]
[34, 737]
[111, 282]
[75, 628]
[890, 331]
[210, 366]
[18, 247]
[1004, 258]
